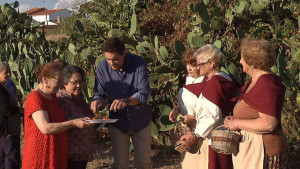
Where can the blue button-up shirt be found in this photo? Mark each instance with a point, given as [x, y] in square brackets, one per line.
[131, 82]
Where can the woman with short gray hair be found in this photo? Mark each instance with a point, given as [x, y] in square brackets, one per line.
[71, 99]
[213, 103]
[10, 118]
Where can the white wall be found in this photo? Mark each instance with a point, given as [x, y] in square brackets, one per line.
[40, 18]
[52, 17]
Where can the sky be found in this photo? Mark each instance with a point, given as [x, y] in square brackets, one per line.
[25, 5]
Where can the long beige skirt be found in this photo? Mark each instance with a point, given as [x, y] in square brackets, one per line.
[198, 160]
[251, 152]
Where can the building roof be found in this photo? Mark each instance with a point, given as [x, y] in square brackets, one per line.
[34, 10]
[41, 11]
[47, 12]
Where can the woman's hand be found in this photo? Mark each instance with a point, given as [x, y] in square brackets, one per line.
[231, 123]
[188, 139]
[82, 123]
[188, 119]
[174, 113]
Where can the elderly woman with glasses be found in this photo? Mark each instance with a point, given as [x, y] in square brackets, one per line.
[258, 112]
[71, 99]
[45, 138]
[10, 119]
[213, 103]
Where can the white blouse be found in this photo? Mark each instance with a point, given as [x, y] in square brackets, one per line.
[208, 114]
[186, 99]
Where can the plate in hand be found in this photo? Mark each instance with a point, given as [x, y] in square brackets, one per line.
[102, 121]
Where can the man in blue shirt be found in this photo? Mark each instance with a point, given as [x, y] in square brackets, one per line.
[123, 78]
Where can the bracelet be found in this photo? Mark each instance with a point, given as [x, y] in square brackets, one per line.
[195, 135]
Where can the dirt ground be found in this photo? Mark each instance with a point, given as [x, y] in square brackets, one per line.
[162, 157]
[103, 158]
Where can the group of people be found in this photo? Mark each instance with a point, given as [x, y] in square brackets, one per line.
[57, 134]
[210, 98]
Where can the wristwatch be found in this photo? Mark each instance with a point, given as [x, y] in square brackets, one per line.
[126, 100]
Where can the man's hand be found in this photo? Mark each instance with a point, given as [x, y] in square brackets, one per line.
[119, 104]
[95, 105]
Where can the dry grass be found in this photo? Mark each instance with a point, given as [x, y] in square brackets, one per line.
[55, 37]
[51, 34]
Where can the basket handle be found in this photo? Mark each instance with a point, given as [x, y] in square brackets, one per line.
[220, 127]
[226, 130]
[223, 124]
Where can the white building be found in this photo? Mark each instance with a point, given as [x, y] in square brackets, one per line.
[48, 17]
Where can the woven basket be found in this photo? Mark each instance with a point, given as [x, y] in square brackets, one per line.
[180, 129]
[225, 141]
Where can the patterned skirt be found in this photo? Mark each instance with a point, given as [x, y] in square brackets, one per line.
[277, 161]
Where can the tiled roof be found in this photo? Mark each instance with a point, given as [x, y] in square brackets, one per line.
[34, 10]
[47, 12]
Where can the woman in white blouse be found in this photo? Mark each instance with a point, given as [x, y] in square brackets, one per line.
[187, 105]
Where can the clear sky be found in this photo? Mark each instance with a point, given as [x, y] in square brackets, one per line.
[25, 5]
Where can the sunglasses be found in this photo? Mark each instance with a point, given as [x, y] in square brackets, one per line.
[203, 63]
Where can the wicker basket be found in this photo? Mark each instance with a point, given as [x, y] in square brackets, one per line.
[225, 141]
[180, 129]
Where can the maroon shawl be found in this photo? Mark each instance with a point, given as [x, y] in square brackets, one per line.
[266, 96]
[218, 90]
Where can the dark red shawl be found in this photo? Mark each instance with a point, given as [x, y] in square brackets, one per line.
[266, 96]
[218, 90]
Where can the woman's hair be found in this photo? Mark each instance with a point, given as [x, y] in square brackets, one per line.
[62, 63]
[258, 53]
[3, 66]
[49, 69]
[189, 58]
[70, 70]
[114, 44]
[212, 53]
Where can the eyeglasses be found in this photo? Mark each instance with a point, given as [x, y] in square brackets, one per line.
[77, 82]
[57, 81]
[203, 63]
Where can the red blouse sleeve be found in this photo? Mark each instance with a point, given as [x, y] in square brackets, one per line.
[33, 103]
